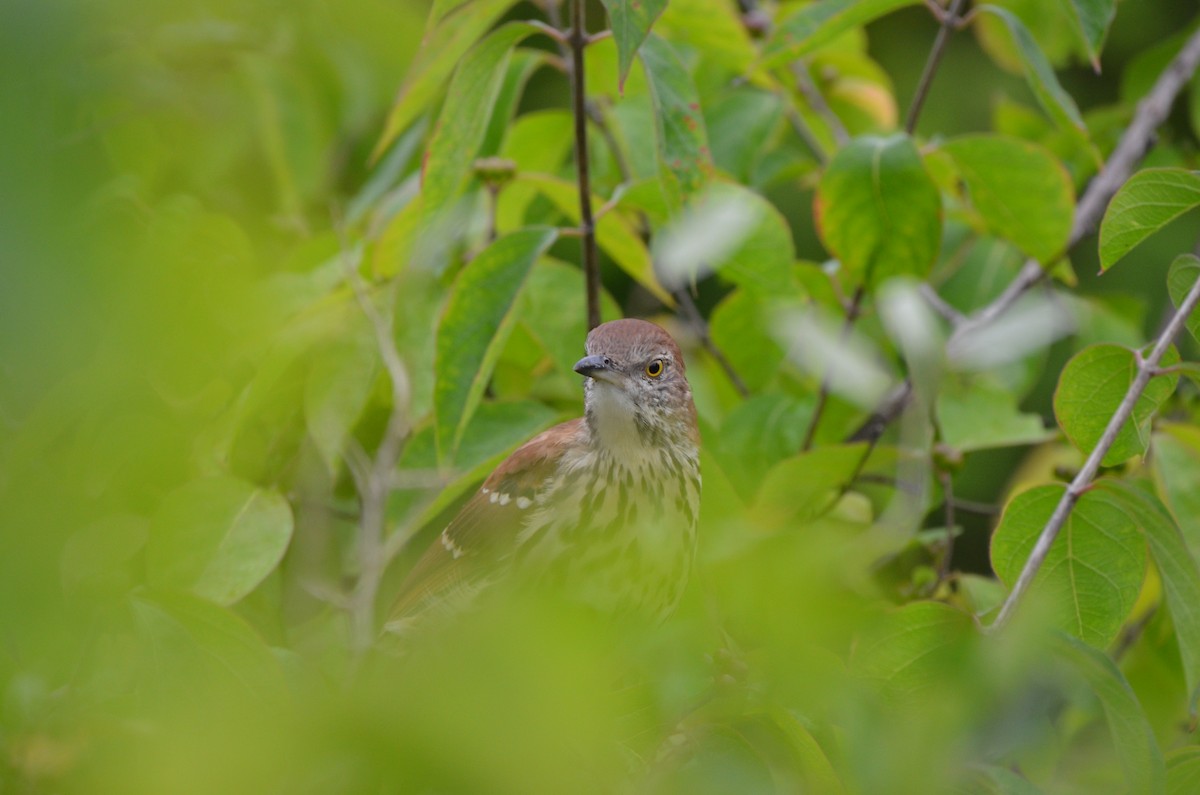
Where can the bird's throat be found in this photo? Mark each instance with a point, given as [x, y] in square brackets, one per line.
[612, 420]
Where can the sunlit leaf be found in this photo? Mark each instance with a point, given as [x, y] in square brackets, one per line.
[909, 649]
[630, 21]
[615, 235]
[801, 487]
[463, 122]
[1022, 192]
[474, 327]
[1091, 577]
[713, 28]
[1092, 18]
[1177, 568]
[218, 538]
[1180, 279]
[447, 38]
[679, 124]
[1147, 202]
[878, 210]
[1057, 103]
[1090, 389]
[815, 24]
[1134, 742]
[974, 414]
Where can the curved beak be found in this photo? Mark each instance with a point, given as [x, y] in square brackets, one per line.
[598, 367]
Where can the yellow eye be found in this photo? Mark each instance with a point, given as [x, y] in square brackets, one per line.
[655, 368]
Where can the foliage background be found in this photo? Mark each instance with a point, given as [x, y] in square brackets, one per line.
[194, 409]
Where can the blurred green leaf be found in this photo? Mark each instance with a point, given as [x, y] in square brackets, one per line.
[1147, 202]
[714, 29]
[814, 25]
[1177, 568]
[819, 773]
[1090, 389]
[203, 647]
[1023, 192]
[683, 152]
[1094, 570]
[992, 780]
[758, 433]
[1185, 269]
[1139, 754]
[975, 414]
[1176, 463]
[1057, 103]
[97, 560]
[738, 123]
[1092, 18]
[908, 650]
[336, 391]
[741, 322]
[803, 486]
[615, 235]
[474, 326]
[536, 142]
[1183, 771]
[218, 538]
[521, 66]
[555, 314]
[447, 37]
[631, 21]
[878, 211]
[463, 122]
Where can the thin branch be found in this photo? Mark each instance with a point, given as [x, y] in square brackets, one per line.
[947, 480]
[1151, 111]
[823, 394]
[806, 134]
[947, 20]
[374, 479]
[591, 265]
[700, 326]
[939, 305]
[816, 100]
[1083, 480]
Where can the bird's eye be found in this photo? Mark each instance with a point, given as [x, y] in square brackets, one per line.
[655, 368]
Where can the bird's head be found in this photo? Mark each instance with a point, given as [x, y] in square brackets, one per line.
[637, 391]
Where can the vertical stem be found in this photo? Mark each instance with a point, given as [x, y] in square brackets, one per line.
[587, 223]
[949, 19]
[948, 553]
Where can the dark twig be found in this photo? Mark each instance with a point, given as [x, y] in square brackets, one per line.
[852, 312]
[816, 100]
[578, 41]
[1083, 480]
[1151, 111]
[947, 21]
[700, 326]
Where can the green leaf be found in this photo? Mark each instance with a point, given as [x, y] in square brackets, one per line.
[714, 29]
[521, 66]
[1177, 568]
[1183, 771]
[446, 39]
[732, 231]
[678, 123]
[1092, 575]
[1022, 191]
[819, 773]
[463, 122]
[194, 642]
[741, 322]
[815, 24]
[630, 21]
[615, 235]
[1150, 200]
[1090, 389]
[474, 325]
[878, 210]
[536, 142]
[1180, 280]
[1039, 74]
[992, 780]
[1092, 18]
[336, 391]
[974, 414]
[554, 311]
[759, 432]
[218, 538]
[1176, 462]
[97, 560]
[1133, 739]
[910, 649]
[803, 486]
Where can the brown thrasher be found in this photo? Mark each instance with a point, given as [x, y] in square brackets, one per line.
[604, 505]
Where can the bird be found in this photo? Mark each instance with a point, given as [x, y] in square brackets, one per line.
[604, 506]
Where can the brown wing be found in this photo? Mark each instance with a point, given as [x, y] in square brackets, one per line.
[485, 531]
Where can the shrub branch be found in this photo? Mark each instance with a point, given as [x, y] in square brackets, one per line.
[1147, 368]
[577, 40]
